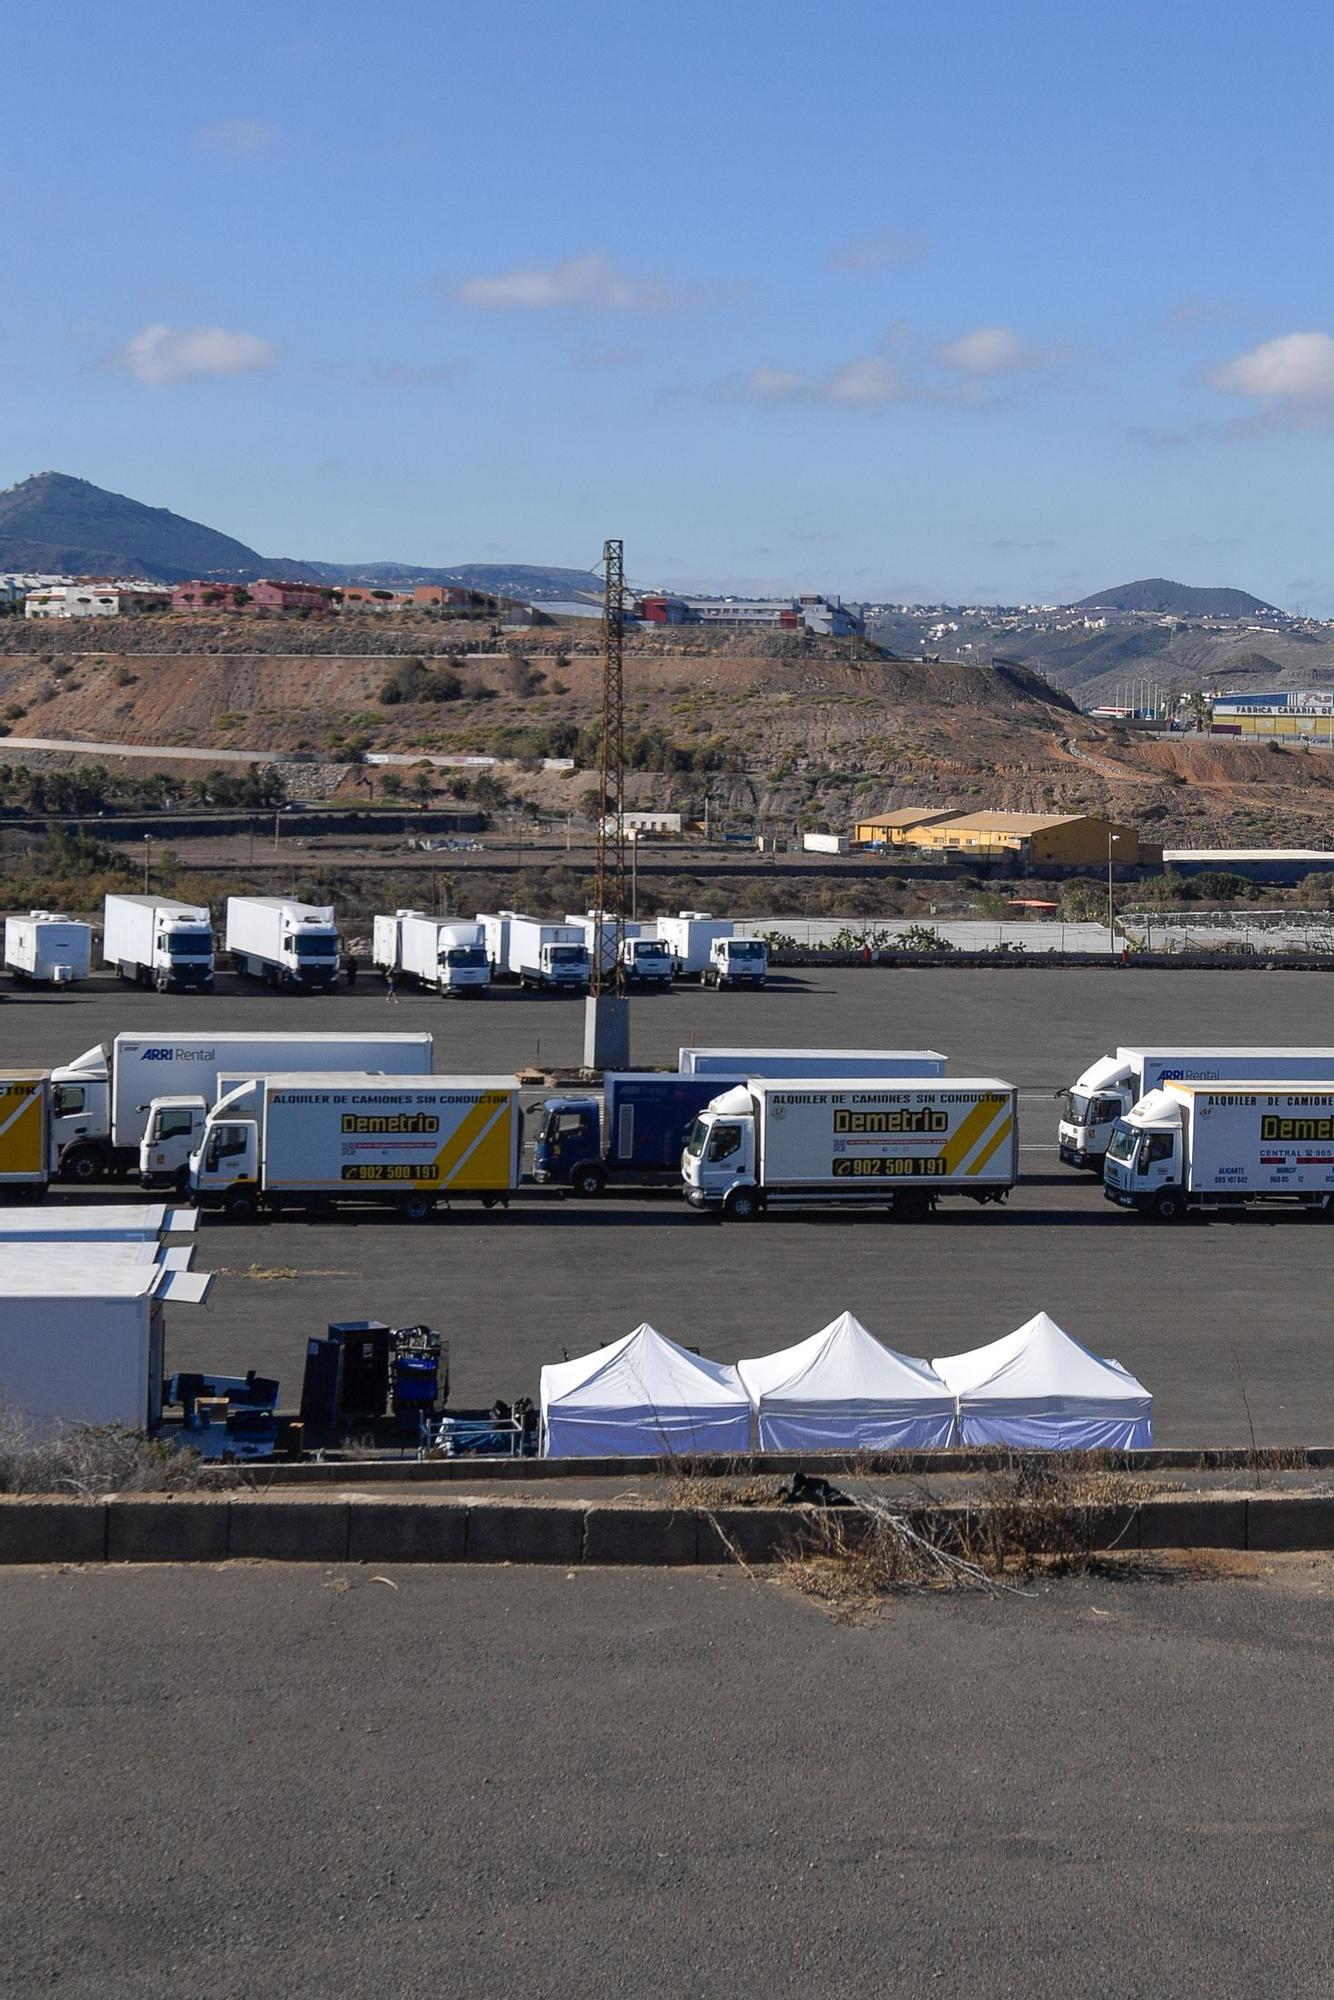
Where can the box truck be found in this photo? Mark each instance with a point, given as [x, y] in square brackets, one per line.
[736, 961]
[496, 940]
[154, 941]
[387, 940]
[1110, 1086]
[688, 937]
[866, 1140]
[632, 1136]
[737, 1064]
[48, 950]
[1196, 1148]
[646, 959]
[285, 943]
[156, 1088]
[448, 954]
[25, 1134]
[297, 1141]
[86, 1345]
[551, 956]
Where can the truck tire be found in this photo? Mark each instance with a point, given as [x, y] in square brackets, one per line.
[1169, 1206]
[83, 1164]
[417, 1206]
[587, 1181]
[744, 1205]
[241, 1205]
[910, 1205]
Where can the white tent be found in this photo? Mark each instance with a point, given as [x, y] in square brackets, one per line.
[1038, 1389]
[642, 1395]
[841, 1390]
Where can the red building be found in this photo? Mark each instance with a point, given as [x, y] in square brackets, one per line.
[267, 595]
[271, 595]
[658, 609]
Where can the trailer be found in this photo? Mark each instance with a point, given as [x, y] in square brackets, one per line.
[1109, 1087]
[737, 1064]
[290, 945]
[387, 940]
[446, 954]
[1200, 1148]
[302, 1141]
[156, 941]
[552, 957]
[83, 1341]
[25, 1134]
[868, 1142]
[137, 1104]
[689, 936]
[632, 1136]
[736, 961]
[48, 950]
[824, 843]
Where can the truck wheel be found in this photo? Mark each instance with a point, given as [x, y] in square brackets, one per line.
[416, 1207]
[1168, 1206]
[82, 1164]
[241, 1205]
[910, 1205]
[587, 1182]
[744, 1205]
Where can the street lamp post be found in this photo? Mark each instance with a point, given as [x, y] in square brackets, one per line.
[148, 859]
[1112, 839]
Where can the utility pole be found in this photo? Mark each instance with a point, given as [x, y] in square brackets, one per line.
[607, 1017]
[1112, 839]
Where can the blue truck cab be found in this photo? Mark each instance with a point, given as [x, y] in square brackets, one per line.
[632, 1138]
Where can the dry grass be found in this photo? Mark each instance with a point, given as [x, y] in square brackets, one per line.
[89, 1461]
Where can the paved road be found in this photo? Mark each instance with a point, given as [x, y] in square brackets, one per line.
[1228, 1322]
[148, 750]
[451, 1782]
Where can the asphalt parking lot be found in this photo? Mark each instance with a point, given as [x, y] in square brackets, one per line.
[415, 1782]
[1227, 1322]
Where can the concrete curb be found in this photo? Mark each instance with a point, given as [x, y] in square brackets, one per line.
[161, 1528]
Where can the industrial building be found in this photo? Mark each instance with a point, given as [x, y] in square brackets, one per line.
[1057, 840]
[1302, 712]
[811, 612]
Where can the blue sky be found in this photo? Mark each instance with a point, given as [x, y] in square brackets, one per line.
[968, 301]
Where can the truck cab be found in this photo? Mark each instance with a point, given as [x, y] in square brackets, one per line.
[565, 965]
[568, 1149]
[647, 962]
[310, 955]
[718, 1165]
[735, 961]
[171, 1135]
[223, 1171]
[464, 968]
[81, 1116]
[1144, 1168]
[1093, 1104]
[182, 954]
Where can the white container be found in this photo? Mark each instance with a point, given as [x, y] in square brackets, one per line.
[85, 1345]
[48, 949]
[156, 941]
[690, 936]
[825, 843]
[811, 1062]
[387, 940]
[283, 942]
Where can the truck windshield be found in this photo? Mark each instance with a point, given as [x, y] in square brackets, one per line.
[568, 954]
[1077, 1107]
[697, 1138]
[189, 944]
[1123, 1143]
[746, 948]
[466, 954]
[314, 947]
[1083, 1109]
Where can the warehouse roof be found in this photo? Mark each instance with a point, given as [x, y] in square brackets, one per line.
[1015, 822]
[906, 816]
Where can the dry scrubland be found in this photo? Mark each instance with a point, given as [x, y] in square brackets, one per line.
[779, 726]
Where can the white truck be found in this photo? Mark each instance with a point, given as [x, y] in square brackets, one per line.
[827, 1063]
[82, 1342]
[1198, 1148]
[647, 960]
[448, 954]
[496, 940]
[138, 1103]
[303, 1141]
[155, 941]
[689, 937]
[1110, 1086]
[551, 956]
[387, 940]
[736, 961]
[48, 950]
[867, 1141]
[285, 943]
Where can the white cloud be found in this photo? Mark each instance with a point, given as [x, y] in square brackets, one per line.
[890, 250]
[1297, 368]
[243, 138]
[592, 282]
[989, 351]
[865, 382]
[159, 355]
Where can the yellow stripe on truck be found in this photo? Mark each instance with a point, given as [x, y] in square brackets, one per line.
[1001, 1134]
[459, 1150]
[22, 1137]
[958, 1146]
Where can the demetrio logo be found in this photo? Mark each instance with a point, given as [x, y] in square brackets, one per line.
[1274, 1127]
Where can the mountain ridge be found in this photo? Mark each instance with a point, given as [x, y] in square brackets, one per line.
[1182, 600]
